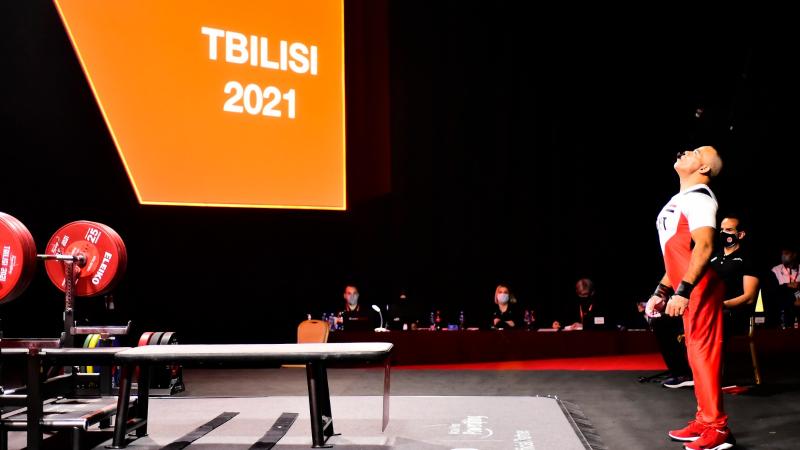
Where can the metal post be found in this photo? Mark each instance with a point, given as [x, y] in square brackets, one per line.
[143, 396]
[319, 404]
[753, 357]
[34, 397]
[69, 302]
[123, 403]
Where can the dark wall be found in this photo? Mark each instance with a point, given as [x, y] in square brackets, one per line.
[526, 147]
[537, 148]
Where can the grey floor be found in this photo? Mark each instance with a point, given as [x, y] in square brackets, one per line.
[625, 413]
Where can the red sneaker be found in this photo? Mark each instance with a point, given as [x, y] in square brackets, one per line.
[713, 439]
[689, 433]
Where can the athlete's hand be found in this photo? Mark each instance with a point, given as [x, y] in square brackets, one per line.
[677, 305]
[654, 306]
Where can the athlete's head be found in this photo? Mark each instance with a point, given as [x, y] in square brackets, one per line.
[703, 161]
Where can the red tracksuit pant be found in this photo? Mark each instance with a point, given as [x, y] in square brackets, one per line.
[703, 322]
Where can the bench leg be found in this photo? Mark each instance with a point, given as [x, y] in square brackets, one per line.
[143, 398]
[752, 344]
[76, 438]
[387, 371]
[105, 380]
[3, 439]
[123, 402]
[319, 402]
[35, 407]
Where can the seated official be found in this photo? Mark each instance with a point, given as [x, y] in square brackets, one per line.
[401, 314]
[506, 315]
[584, 312]
[354, 317]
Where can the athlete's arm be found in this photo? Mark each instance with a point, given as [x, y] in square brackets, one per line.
[703, 238]
[750, 287]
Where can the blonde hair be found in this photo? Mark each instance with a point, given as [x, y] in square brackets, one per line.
[511, 298]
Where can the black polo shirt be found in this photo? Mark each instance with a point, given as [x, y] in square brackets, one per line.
[731, 269]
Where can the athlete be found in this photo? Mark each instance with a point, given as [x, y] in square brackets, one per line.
[690, 288]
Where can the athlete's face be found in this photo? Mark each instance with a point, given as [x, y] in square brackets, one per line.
[689, 161]
[696, 160]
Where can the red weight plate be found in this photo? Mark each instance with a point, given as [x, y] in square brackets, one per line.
[144, 338]
[25, 273]
[30, 269]
[29, 252]
[123, 254]
[17, 258]
[102, 252]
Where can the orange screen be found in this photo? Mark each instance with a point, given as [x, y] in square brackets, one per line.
[211, 103]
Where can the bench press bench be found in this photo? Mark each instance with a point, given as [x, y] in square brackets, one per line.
[314, 356]
[50, 404]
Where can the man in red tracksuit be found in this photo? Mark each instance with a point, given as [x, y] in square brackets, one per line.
[687, 230]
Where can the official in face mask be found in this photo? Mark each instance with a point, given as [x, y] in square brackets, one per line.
[586, 311]
[738, 273]
[506, 314]
[353, 317]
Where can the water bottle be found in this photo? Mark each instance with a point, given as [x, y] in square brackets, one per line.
[334, 323]
[326, 319]
[433, 320]
[461, 320]
[527, 319]
[438, 320]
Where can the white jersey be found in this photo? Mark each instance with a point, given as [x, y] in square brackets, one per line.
[687, 211]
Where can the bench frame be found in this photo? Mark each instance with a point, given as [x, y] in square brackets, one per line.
[316, 374]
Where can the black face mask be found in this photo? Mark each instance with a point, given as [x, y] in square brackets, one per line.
[728, 239]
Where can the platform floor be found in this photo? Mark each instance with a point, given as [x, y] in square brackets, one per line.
[625, 414]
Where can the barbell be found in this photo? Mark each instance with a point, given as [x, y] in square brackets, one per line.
[96, 251]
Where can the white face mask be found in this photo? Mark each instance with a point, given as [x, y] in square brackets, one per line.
[502, 298]
[353, 300]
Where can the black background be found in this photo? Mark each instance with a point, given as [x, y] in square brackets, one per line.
[527, 147]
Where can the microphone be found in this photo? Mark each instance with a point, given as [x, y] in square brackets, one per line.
[378, 309]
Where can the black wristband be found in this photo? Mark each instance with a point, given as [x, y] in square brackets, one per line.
[663, 291]
[684, 289]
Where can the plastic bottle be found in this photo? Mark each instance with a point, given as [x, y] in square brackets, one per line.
[461, 320]
[433, 320]
[438, 320]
